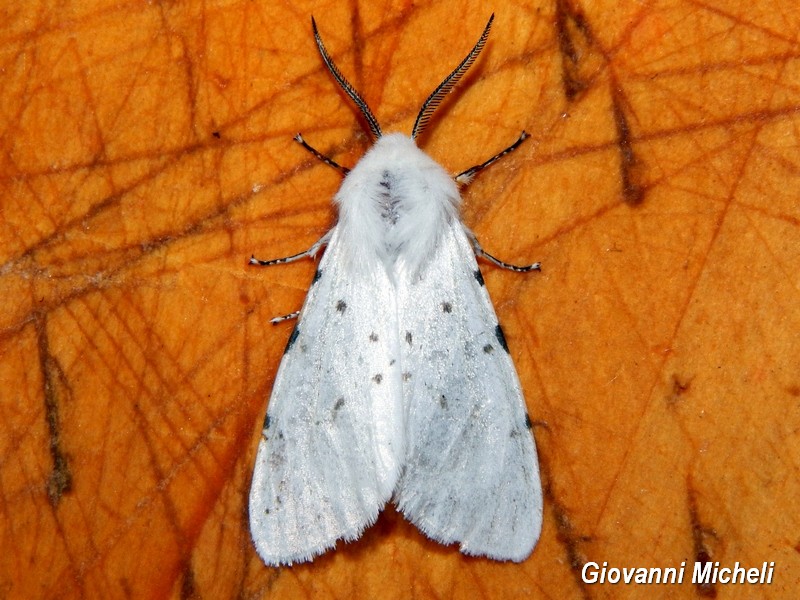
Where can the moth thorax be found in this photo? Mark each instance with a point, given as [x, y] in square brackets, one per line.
[395, 203]
[388, 199]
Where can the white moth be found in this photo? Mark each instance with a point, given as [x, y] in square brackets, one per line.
[396, 382]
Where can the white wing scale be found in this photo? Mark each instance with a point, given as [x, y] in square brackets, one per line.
[331, 448]
[470, 471]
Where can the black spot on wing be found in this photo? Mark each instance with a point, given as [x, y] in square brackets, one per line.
[408, 337]
[479, 277]
[339, 404]
[488, 348]
[266, 421]
[341, 306]
[378, 378]
[528, 423]
[292, 339]
[498, 331]
[317, 275]
[373, 337]
[442, 401]
[406, 376]
[447, 307]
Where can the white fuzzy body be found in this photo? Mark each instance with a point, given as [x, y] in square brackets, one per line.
[394, 206]
[396, 383]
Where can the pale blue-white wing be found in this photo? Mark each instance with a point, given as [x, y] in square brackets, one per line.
[471, 473]
[329, 455]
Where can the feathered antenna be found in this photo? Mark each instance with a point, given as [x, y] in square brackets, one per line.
[345, 85]
[444, 88]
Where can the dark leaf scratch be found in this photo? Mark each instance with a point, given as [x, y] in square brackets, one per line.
[574, 39]
[570, 541]
[680, 387]
[630, 167]
[189, 589]
[56, 390]
[700, 536]
[566, 535]
[188, 581]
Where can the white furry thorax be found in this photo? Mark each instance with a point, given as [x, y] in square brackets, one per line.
[393, 206]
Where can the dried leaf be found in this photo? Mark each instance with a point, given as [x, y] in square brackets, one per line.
[147, 152]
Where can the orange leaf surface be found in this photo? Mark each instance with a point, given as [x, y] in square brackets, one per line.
[147, 152]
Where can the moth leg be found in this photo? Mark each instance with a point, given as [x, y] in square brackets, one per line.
[282, 318]
[328, 161]
[310, 253]
[503, 265]
[465, 177]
